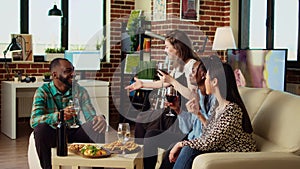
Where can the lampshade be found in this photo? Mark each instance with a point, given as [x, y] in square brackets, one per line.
[154, 35]
[14, 45]
[54, 11]
[224, 39]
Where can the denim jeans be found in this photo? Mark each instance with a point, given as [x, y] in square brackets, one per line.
[186, 158]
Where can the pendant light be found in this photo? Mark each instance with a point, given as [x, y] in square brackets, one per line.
[54, 11]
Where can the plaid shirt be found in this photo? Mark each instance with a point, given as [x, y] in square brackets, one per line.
[48, 101]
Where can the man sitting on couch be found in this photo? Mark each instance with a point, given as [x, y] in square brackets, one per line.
[49, 99]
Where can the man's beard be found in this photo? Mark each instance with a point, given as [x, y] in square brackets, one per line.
[65, 81]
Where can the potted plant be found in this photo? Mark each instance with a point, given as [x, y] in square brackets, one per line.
[16, 77]
[52, 53]
[47, 76]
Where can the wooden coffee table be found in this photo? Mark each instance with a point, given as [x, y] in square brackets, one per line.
[129, 161]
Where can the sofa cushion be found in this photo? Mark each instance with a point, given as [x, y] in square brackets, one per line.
[267, 146]
[277, 122]
[253, 98]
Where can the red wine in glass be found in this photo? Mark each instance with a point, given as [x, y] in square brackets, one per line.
[171, 95]
[170, 98]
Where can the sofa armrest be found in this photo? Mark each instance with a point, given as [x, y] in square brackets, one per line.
[249, 160]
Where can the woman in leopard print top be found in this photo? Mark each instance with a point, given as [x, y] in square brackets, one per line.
[224, 133]
[228, 129]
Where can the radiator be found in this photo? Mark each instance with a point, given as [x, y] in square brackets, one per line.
[24, 102]
[24, 106]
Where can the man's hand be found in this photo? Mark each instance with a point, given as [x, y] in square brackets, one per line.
[99, 124]
[69, 112]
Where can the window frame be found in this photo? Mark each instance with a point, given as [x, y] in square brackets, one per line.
[244, 20]
[24, 19]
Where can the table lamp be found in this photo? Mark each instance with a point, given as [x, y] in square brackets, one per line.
[13, 46]
[224, 40]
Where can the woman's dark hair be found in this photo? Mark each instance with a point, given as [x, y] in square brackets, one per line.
[183, 44]
[201, 73]
[228, 88]
[200, 76]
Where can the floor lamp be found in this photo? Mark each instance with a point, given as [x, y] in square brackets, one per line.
[223, 40]
[13, 46]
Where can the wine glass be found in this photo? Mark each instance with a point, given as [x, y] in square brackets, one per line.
[171, 95]
[123, 133]
[76, 106]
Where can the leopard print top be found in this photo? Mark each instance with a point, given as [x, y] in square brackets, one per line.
[224, 133]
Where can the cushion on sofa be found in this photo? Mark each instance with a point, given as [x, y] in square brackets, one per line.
[265, 145]
[277, 121]
[253, 98]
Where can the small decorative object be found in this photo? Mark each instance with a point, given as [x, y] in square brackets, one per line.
[27, 79]
[52, 53]
[16, 78]
[133, 27]
[100, 43]
[159, 10]
[189, 10]
[47, 77]
[25, 41]
[131, 63]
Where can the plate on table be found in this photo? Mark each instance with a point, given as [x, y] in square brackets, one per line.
[89, 150]
[117, 147]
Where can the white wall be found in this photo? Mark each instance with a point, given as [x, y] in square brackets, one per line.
[234, 19]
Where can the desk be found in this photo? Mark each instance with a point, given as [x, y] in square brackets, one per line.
[131, 161]
[10, 91]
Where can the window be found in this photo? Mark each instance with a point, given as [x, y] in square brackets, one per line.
[45, 29]
[258, 15]
[85, 27]
[85, 24]
[10, 23]
[286, 33]
[272, 24]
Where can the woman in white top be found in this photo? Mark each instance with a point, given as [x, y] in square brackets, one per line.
[178, 47]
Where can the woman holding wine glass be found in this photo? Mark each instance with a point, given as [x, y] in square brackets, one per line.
[178, 48]
[171, 95]
[229, 127]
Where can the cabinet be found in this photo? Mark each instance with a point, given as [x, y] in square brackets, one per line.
[126, 48]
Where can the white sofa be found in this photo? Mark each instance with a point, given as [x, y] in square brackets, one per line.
[275, 117]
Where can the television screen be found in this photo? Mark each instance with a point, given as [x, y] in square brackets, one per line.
[260, 67]
[84, 60]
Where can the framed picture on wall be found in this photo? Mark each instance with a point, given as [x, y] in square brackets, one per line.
[189, 10]
[159, 10]
[25, 42]
[131, 63]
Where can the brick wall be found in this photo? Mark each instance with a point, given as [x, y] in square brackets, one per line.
[213, 14]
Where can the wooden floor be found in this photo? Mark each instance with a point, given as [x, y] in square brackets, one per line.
[14, 152]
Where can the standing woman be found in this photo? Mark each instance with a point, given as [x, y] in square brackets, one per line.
[228, 129]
